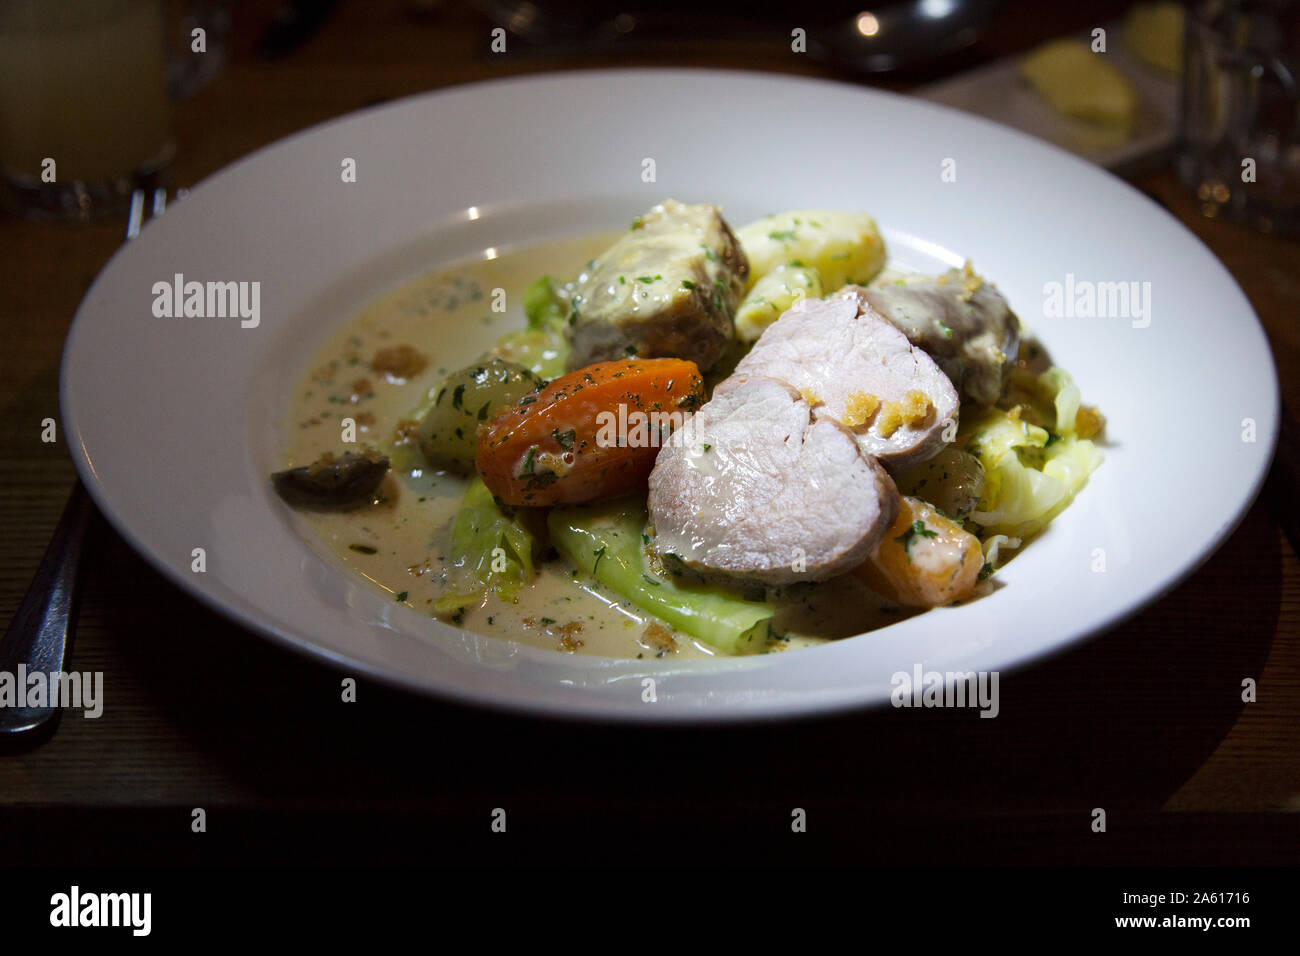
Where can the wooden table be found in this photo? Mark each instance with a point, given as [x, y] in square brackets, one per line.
[1146, 721]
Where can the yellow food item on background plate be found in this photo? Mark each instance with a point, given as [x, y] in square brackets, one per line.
[1080, 83]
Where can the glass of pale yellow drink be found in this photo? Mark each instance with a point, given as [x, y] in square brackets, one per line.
[83, 104]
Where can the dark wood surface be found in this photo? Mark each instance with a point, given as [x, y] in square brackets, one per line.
[1145, 721]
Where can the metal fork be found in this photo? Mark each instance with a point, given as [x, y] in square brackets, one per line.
[40, 636]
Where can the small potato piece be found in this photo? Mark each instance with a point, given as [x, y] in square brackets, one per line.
[592, 433]
[842, 246]
[952, 481]
[924, 560]
[772, 295]
[448, 434]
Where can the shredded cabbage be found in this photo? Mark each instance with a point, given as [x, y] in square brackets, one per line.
[490, 551]
[1031, 474]
[994, 543]
[1066, 397]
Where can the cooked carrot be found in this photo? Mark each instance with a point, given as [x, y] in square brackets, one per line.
[925, 559]
[588, 434]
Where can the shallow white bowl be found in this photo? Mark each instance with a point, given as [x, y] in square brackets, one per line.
[176, 423]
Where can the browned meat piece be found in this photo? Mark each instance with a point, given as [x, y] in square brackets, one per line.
[962, 321]
[667, 289]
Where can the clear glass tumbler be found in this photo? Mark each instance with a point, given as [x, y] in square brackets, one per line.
[83, 104]
[1238, 145]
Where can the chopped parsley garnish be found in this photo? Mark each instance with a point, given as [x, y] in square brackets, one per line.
[947, 332]
[648, 279]
[542, 479]
[784, 235]
[402, 596]
[688, 284]
[918, 529]
[526, 467]
[363, 549]
[458, 396]
[600, 553]
[565, 439]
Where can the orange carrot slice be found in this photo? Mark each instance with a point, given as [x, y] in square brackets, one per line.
[589, 434]
[925, 559]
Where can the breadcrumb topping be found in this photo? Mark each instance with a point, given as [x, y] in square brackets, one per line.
[399, 362]
[971, 282]
[1088, 422]
[859, 408]
[912, 410]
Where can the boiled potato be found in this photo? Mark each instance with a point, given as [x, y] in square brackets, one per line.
[952, 481]
[448, 433]
[842, 247]
[773, 294]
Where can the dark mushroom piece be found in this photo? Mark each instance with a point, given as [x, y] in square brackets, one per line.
[333, 483]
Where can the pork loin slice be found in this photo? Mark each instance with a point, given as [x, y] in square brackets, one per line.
[960, 320]
[668, 288]
[856, 368]
[755, 487]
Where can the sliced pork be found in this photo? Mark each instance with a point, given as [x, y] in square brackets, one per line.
[759, 487]
[855, 367]
[960, 320]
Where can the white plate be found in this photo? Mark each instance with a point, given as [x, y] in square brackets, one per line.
[176, 423]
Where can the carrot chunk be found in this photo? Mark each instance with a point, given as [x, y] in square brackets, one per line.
[924, 560]
[592, 433]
